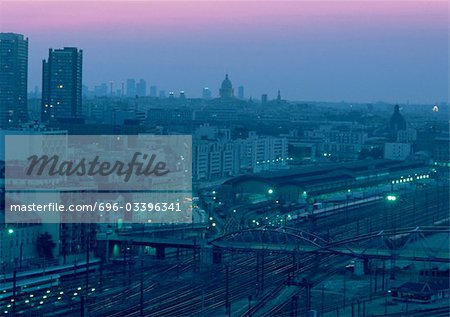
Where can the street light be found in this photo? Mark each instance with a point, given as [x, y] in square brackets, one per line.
[391, 197]
[270, 191]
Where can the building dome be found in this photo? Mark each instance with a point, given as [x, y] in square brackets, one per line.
[226, 90]
[396, 122]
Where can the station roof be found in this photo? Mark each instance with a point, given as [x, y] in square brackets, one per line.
[327, 173]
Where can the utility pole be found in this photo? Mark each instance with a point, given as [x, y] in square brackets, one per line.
[376, 277]
[195, 255]
[322, 300]
[294, 263]
[385, 303]
[82, 306]
[14, 291]
[203, 301]
[21, 255]
[129, 264]
[294, 306]
[304, 283]
[124, 262]
[86, 286]
[227, 290]
[141, 298]
[308, 293]
[101, 276]
[257, 268]
[262, 272]
[357, 227]
[345, 288]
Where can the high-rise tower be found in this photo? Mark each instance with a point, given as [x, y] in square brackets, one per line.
[61, 84]
[241, 92]
[13, 78]
[131, 87]
[141, 88]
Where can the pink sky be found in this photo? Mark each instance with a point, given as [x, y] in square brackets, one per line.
[336, 50]
[79, 16]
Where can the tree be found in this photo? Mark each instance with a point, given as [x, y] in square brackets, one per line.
[45, 245]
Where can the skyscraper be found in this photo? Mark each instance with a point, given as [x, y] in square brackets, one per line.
[141, 88]
[13, 78]
[131, 87]
[241, 92]
[61, 84]
[263, 99]
[153, 91]
[206, 94]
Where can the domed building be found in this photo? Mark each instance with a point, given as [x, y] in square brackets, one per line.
[396, 122]
[226, 90]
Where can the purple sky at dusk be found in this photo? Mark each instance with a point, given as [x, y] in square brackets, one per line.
[338, 50]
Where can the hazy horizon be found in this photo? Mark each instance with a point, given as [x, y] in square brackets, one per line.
[326, 51]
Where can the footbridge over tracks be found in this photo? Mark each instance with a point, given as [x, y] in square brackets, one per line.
[428, 244]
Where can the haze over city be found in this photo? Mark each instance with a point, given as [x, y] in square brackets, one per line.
[224, 158]
[335, 51]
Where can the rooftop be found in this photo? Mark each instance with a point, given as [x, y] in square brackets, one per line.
[329, 172]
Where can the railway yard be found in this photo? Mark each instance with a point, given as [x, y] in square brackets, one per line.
[292, 267]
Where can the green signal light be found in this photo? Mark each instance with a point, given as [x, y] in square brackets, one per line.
[391, 198]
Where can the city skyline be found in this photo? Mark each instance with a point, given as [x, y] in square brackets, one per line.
[212, 158]
[333, 51]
